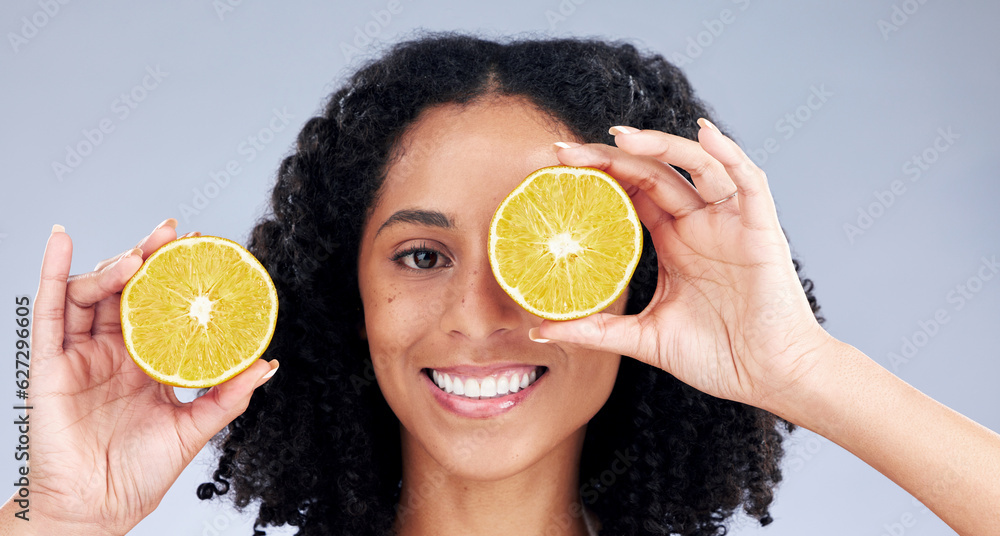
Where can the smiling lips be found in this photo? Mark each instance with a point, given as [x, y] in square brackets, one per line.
[463, 391]
[494, 385]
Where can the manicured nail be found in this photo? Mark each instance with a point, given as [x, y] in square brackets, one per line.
[169, 222]
[533, 334]
[565, 145]
[58, 229]
[622, 129]
[134, 251]
[274, 368]
[189, 235]
[706, 123]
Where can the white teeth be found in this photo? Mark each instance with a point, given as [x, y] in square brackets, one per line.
[502, 385]
[471, 388]
[488, 387]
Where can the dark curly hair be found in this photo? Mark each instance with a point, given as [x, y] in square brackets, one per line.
[318, 446]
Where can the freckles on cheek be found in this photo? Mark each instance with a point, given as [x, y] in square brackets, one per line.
[400, 324]
[399, 333]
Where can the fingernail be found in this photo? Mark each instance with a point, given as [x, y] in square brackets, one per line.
[533, 334]
[263, 379]
[565, 145]
[134, 251]
[169, 222]
[707, 124]
[58, 229]
[189, 235]
[622, 129]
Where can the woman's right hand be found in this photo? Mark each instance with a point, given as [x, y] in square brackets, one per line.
[107, 441]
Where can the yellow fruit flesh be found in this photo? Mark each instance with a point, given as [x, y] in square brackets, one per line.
[565, 245]
[198, 315]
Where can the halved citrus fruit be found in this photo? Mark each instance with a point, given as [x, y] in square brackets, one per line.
[199, 311]
[565, 242]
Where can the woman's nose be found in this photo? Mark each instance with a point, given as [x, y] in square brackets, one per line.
[478, 307]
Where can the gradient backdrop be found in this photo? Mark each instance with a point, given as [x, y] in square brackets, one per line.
[876, 123]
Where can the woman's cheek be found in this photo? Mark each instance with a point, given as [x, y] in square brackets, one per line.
[400, 325]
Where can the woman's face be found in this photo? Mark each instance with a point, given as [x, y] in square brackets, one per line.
[432, 306]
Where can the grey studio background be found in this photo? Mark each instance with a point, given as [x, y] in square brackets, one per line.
[875, 121]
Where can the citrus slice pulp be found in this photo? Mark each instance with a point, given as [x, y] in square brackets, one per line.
[199, 311]
[565, 243]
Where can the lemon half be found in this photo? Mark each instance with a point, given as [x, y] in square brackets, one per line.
[565, 243]
[199, 311]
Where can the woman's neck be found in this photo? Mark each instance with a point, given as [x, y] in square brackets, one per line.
[542, 499]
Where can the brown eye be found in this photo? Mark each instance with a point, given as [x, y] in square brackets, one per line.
[425, 259]
[422, 259]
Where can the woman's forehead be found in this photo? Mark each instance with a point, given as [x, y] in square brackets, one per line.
[487, 147]
[453, 127]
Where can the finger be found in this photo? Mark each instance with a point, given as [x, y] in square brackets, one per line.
[221, 404]
[50, 301]
[602, 331]
[161, 234]
[708, 175]
[663, 184]
[107, 314]
[83, 292]
[755, 201]
[651, 215]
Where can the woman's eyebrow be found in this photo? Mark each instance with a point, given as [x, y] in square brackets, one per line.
[423, 217]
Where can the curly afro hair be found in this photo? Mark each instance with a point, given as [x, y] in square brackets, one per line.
[318, 448]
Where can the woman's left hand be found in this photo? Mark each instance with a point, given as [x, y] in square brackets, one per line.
[729, 316]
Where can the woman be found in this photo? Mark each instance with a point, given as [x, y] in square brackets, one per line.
[376, 243]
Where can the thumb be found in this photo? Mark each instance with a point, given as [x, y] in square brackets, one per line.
[226, 401]
[602, 331]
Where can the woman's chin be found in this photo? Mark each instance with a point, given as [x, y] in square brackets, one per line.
[487, 464]
[494, 453]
